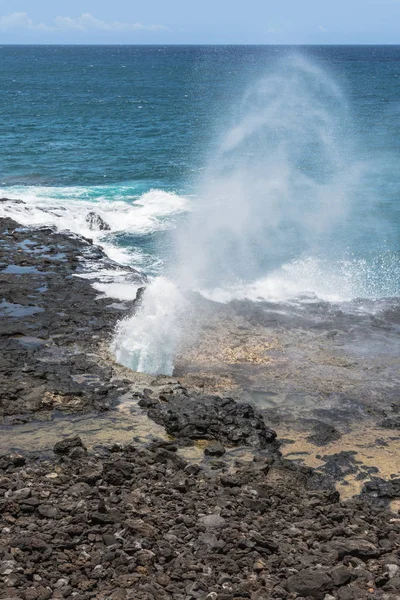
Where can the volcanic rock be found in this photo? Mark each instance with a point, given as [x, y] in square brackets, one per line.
[310, 583]
[212, 418]
[95, 222]
[66, 446]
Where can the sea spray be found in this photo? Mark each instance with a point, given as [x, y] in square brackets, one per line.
[147, 342]
[280, 181]
[278, 187]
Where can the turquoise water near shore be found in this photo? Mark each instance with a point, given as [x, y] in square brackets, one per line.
[130, 131]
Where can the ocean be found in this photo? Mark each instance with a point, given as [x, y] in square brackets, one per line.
[240, 172]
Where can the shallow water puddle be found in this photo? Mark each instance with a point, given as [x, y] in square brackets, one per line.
[18, 270]
[372, 448]
[10, 309]
[112, 427]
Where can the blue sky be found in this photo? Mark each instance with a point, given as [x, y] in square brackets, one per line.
[200, 22]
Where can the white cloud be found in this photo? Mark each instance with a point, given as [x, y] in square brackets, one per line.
[19, 21]
[85, 23]
[322, 28]
[88, 22]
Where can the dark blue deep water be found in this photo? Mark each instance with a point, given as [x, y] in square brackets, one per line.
[130, 132]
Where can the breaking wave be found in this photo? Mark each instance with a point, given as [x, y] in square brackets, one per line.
[120, 208]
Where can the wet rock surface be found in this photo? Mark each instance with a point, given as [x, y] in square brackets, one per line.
[142, 523]
[332, 363]
[52, 324]
[95, 222]
[209, 418]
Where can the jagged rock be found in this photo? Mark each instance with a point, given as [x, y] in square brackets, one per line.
[140, 527]
[323, 434]
[359, 547]
[47, 511]
[212, 418]
[212, 521]
[310, 583]
[340, 576]
[68, 445]
[95, 222]
[12, 201]
[380, 488]
[50, 325]
[214, 449]
[11, 461]
[391, 423]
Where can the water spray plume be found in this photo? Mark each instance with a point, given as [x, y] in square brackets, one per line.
[148, 341]
[280, 181]
[276, 192]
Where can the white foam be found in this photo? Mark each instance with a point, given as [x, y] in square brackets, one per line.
[67, 208]
[120, 291]
[124, 212]
[312, 279]
[112, 283]
[147, 342]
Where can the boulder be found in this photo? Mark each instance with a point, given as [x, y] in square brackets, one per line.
[66, 446]
[309, 583]
[96, 223]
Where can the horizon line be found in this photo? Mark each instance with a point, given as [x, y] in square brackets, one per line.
[192, 44]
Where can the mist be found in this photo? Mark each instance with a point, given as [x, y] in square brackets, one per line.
[279, 182]
[270, 210]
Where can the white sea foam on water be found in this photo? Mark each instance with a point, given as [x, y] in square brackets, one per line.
[117, 284]
[313, 279]
[67, 208]
[119, 207]
[124, 212]
[307, 278]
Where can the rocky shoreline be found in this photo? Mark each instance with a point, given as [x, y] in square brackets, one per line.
[209, 511]
[142, 523]
[51, 325]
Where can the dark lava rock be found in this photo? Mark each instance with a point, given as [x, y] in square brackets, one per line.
[68, 445]
[12, 201]
[95, 222]
[100, 518]
[310, 583]
[109, 539]
[47, 511]
[212, 418]
[138, 300]
[391, 423]
[323, 434]
[340, 576]
[393, 585]
[92, 473]
[359, 547]
[52, 323]
[214, 449]
[382, 491]
[10, 461]
[212, 521]
[337, 466]
[167, 531]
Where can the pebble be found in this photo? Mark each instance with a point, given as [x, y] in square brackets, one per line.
[212, 521]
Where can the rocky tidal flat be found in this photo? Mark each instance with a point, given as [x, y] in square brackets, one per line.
[183, 490]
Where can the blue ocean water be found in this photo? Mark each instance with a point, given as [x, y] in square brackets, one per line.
[135, 133]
